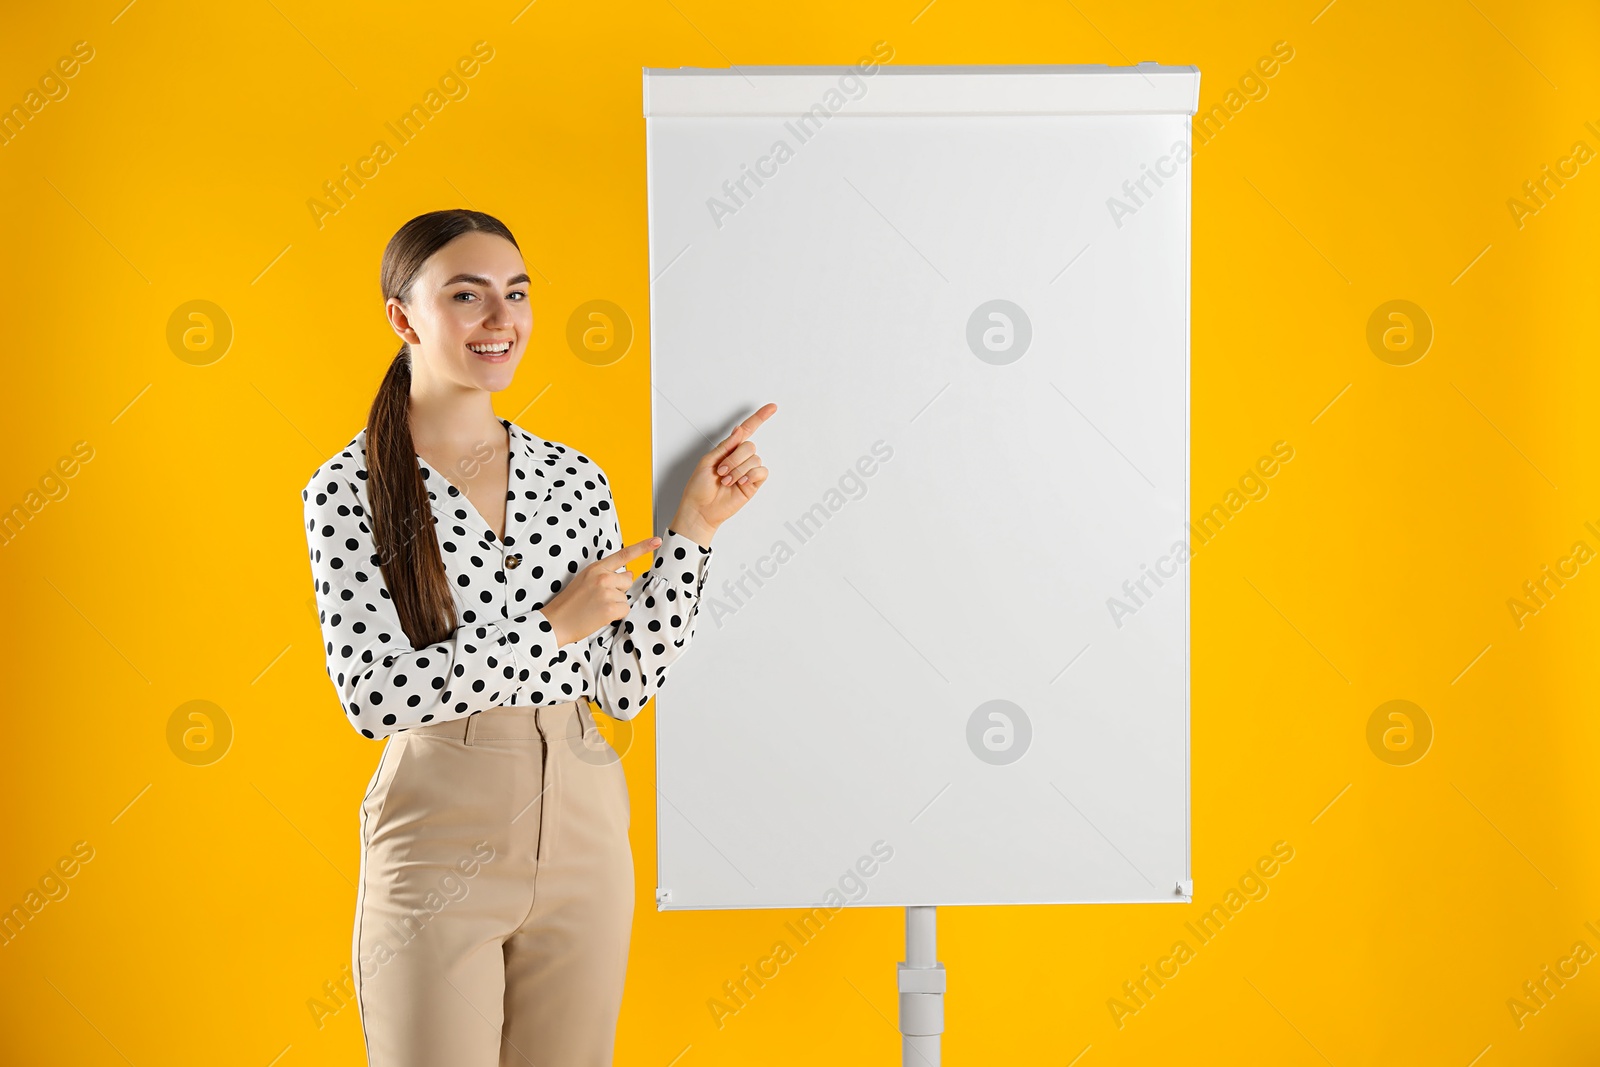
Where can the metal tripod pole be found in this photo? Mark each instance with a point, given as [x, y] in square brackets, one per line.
[921, 991]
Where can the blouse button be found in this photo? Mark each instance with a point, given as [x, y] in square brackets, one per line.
[513, 561]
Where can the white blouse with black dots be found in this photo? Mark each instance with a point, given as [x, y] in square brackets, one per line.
[560, 517]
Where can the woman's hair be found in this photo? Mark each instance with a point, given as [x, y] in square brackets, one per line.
[402, 521]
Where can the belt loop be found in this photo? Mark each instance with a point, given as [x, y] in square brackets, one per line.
[471, 730]
[579, 707]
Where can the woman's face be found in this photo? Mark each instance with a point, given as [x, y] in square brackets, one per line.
[467, 316]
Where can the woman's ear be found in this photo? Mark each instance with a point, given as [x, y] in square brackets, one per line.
[400, 322]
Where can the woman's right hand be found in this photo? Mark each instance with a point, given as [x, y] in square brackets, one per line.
[597, 595]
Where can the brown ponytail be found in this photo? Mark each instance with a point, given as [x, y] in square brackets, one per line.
[402, 520]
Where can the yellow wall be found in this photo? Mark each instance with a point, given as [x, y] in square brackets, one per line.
[170, 566]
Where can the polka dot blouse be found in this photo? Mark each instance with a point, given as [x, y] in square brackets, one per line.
[560, 517]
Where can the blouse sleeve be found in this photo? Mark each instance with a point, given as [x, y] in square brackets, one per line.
[627, 660]
[384, 684]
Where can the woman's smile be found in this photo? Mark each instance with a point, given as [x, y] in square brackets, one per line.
[490, 351]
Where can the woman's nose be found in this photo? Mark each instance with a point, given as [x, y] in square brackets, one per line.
[495, 311]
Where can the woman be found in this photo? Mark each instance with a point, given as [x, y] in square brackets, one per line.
[473, 596]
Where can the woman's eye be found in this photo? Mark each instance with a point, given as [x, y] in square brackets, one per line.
[472, 295]
[519, 293]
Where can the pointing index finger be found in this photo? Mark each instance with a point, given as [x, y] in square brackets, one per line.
[747, 427]
[621, 556]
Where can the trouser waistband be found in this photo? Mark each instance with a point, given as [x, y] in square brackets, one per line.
[511, 723]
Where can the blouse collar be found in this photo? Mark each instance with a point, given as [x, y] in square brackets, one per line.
[527, 488]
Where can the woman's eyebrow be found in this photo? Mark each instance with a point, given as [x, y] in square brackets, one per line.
[478, 279]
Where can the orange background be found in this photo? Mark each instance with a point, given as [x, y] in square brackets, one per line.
[171, 566]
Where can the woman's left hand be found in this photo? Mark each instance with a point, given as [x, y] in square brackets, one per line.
[724, 480]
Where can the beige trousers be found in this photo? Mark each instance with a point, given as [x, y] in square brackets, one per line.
[496, 894]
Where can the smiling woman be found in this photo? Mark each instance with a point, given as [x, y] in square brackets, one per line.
[473, 594]
[449, 501]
